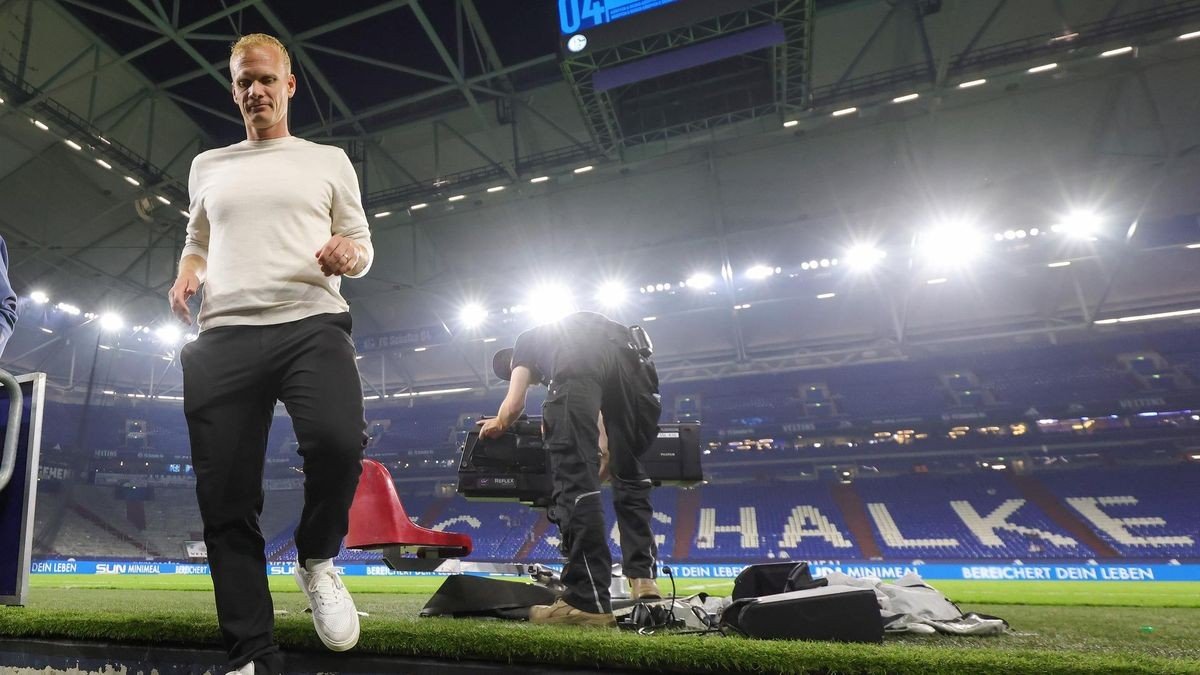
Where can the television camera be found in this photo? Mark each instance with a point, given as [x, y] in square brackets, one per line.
[516, 466]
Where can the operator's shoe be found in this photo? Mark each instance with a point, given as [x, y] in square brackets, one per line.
[562, 614]
[644, 589]
[247, 669]
[334, 614]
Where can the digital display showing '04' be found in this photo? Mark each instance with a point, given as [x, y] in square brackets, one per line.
[575, 16]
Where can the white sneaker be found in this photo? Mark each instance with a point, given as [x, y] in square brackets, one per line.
[247, 669]
[334, 614]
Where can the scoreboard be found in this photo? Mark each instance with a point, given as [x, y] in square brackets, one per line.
[575, 16]
[595, 24]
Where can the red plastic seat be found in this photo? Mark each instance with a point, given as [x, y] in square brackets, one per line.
[378, 521]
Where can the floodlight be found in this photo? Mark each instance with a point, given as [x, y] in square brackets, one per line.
[611, 294]
[700, 281]
[550, 302]
[950, 244]
[760, 272]
[472, 315]
[39, 297]
[1078, 224]
[168, 333]
[863, 257]
[112, 322]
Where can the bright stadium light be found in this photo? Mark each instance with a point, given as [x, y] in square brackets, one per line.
[950, 244]
[67, 308]
[550, 302]
[39, 297]
[758, 272]
[472, 315]
[700, 281]
[611, 294]
[111, 322]
[168, 334]
[1078, 224]
[863, 257]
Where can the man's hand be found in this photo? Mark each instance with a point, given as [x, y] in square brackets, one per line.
[491, 427]
[185, 286]
[339, 256]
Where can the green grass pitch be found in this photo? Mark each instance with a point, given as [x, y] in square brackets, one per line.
[1058, 627]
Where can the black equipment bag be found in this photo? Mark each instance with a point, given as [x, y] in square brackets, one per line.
[772, 578]
[462, 595]
[837, 613]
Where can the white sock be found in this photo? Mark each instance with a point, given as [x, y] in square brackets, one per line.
[316, 564]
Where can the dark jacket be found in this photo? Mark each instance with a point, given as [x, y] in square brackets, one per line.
[8, 299]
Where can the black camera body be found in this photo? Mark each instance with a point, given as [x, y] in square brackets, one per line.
[516, 466]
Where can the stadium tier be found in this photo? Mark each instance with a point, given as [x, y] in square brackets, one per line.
[962, 516]
[1133, 512]
[916, 443]
[762, 521]
[1139, 511]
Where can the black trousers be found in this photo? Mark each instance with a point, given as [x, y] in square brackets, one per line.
[598, 381]
[232, 378]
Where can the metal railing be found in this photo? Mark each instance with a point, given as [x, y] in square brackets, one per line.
[16, 402]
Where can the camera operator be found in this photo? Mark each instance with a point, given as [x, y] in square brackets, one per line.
[598, 373]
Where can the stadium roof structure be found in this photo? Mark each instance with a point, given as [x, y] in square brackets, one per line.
[1055, 142]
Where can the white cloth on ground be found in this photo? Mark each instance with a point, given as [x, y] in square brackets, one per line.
[910, 605]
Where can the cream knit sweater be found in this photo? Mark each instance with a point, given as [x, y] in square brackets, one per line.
[260, 210]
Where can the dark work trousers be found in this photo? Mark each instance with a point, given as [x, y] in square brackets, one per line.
[232, 378]
[598, 381]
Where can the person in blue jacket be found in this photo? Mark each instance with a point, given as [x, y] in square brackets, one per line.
[8, 300]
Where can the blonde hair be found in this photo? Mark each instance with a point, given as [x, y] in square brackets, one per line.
[259, 40]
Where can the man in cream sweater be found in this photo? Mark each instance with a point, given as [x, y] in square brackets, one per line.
[275, 223]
